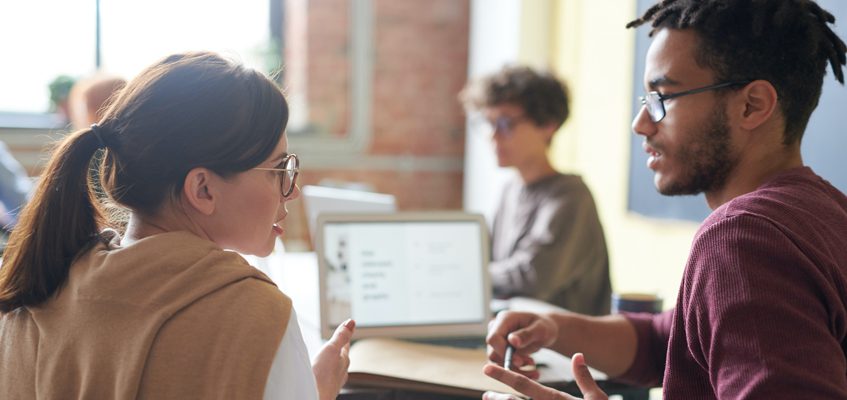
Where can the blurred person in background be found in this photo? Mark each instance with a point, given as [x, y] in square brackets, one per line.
[546, 238]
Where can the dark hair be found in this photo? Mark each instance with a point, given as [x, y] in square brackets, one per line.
[185, 111]
[543, 97]
[786, 42]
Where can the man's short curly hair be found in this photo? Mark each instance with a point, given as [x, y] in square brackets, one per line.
[543, 97]
[786, 42]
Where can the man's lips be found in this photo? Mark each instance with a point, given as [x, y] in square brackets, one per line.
[654, 154]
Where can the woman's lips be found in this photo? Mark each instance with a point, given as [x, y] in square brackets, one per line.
[277, 227]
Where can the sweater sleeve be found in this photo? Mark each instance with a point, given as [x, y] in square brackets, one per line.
[761, 317]
[652, 332]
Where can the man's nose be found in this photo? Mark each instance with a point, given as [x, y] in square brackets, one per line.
[642, 124]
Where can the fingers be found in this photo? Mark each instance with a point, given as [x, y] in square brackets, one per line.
[505, 325]
[331, 363]
[530, 338]
[526, 366]
[519, 361]
[345, 357]
[527, 333]
[584, 380]
[343, 333]
[496, 338]
[349, 325]
[523, 384]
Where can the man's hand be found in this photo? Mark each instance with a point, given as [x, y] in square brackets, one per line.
[526, 332]
[330, 365]
[538, 391]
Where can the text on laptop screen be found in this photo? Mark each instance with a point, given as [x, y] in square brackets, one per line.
[390, 273]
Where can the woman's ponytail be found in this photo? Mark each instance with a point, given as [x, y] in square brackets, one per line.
[61, 220]
[186, 111]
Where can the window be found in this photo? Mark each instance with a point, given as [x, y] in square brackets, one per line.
[38, 45]
[328, 73]
[137, 32]
[323, 52]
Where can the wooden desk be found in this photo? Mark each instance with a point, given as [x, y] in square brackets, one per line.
[625, 392]
[296, 274]
[391, 394]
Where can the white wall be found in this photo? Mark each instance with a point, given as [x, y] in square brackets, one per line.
[494, 41]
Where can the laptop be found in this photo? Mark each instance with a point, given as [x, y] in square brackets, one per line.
[323, 199]
[411, 275]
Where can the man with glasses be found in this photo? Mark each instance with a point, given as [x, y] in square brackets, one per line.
[547, 241]
[762, 307]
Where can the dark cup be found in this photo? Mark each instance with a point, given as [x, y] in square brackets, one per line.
[636, 302]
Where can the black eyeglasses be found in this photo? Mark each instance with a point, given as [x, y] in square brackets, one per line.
[288, 174]
[503, 125]
[655, 101]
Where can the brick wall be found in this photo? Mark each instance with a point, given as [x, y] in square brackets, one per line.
[421, 64]
[420, 55]
[416, 138]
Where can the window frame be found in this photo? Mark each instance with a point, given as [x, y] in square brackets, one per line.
[359, 95]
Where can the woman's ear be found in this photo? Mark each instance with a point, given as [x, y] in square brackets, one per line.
[760, 102]
[199, 190]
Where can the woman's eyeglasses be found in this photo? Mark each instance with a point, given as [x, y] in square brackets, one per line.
[289, 171]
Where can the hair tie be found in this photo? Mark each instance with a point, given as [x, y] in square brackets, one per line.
[96, 130]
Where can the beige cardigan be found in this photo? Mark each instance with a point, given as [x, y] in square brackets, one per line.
[171, 316]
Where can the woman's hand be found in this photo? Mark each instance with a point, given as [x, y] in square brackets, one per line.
[330, 365]
[538, 391]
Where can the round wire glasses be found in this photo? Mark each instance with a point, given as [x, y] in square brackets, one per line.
[288, 170]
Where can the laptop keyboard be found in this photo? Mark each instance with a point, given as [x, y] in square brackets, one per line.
[461, 342]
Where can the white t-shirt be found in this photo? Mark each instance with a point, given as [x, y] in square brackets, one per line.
[291, 374]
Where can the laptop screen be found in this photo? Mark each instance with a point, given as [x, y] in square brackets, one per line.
[404, 274]
[319, 199]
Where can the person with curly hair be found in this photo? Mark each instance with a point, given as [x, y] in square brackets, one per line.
[547, 241]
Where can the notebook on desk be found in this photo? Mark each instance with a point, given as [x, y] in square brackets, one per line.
[406, 275]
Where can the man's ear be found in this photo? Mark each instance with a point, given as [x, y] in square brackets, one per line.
[549, 130]
[760, 102]
[198, 190]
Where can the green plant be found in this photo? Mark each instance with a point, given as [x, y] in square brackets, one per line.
[60, 88]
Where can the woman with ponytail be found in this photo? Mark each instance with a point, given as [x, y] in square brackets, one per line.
[153, 306]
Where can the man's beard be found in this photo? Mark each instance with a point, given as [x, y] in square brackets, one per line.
[706, 159]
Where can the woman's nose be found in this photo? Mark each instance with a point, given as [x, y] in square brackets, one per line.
[295, 194]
